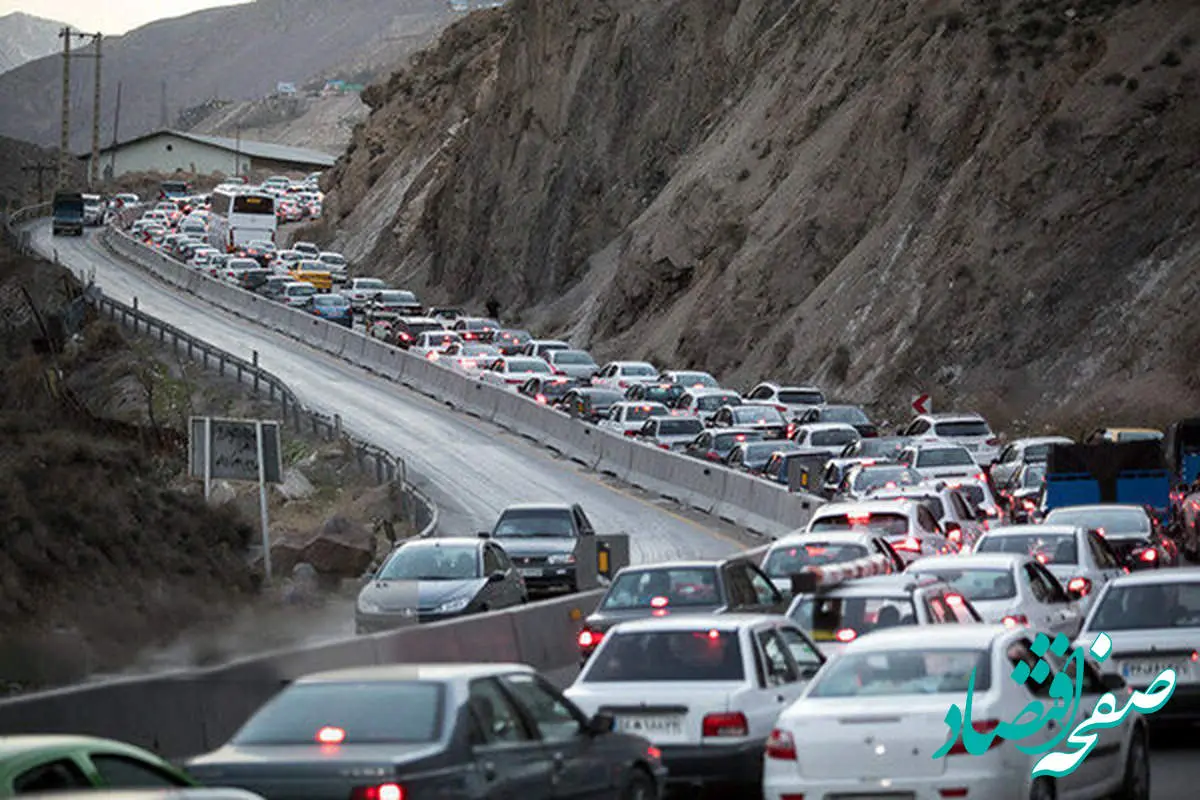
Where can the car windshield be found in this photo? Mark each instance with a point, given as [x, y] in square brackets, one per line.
[302, 291]
[309, 713]
[884, 478]
[330, 301]
[638, 370]
[431, 563]
[783, 562]
[663, 588]
[801, 397]
[535, 522]
[535, 365]
[976, 583]
[757, 415]
[1048, 548]
[885, 524]
[716, 401]
[904, 672]
[1032, 476]
[944, 457]
[962, 428]
[1169, 604]
[724, 442]
[573, 357]
[696, 379]
[669, 656]
[680, 427]
[835, 438]
[1108, 520]
[839, 619]
[392, 296]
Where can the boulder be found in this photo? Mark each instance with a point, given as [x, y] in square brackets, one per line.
[286, 552]
[340, 549]
[295, 486]
[222, 493]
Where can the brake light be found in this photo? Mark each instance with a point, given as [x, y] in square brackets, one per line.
[1149, 555]
[654, 753]
[955, 599]
[664, 446]
[541, 398]
[781, 745]
[791, 429]
[858, 519]
[1029, 505]
[781, 409]
[980, 477]
[331, 735]
[846, 635]
[1081, 585]
[954, 535]
[712, 455]
[658, 602]
[1015, 620]
[432, 356]
[910, 545]
[589, 639]
[623, 384]
[725, 725]
[386, 791]
[984, 727]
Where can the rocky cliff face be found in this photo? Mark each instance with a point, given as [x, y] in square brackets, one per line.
[995, 202]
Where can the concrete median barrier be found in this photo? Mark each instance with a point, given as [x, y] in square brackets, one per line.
[616, 456]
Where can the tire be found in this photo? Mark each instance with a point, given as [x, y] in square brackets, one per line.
[1136, 783]
[639, 786]
[1042, 789]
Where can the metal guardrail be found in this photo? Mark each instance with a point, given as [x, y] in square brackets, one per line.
[20, 240]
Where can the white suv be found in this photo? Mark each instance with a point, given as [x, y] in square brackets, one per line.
[790, 400]
[969, 430]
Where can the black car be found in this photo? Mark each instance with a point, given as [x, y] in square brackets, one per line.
[510, 342]
[715, 445]
[848, 415]
[709, 587]
[767, 419]
[415, 731]
[405, 330]
[753, 457]
[427, 580]
[261, 251]
[477, 329]
[589, 403]
[252, 279]
[1022, 492]
[391, 304]
[548, 390]
[542, 539]
[666, 393]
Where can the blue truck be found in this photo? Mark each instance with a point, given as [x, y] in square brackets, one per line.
[68, 213]
[1183, 450]
[1131, 472]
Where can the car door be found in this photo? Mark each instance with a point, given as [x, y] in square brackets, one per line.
[1044, 613]
[579, 763]
[499, 594]
[781, 683]
[767, 598]
[509, 756]
[884, 547]
[1065, 611]
[1108, 566]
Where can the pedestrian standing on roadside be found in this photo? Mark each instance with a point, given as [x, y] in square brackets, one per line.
[493, 308]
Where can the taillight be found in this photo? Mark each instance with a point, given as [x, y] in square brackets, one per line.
[993, 442]
[846, 635]
[725, 725]
[791, 430]
[910, 545]
[954, 535]
[664, 446]
[541, 398]
[1081, 585]
[385, 791]
[1015, 620]
[781, 409]
[984, 727]
[631, 432]
[781, 745]
[1149, 555]
[712, 456]
[589, 639]
[623, 384]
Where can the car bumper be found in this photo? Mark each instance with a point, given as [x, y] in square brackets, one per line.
[1183, 706]
[377, 623]
[692, 765]
[1009, 785]
[552, 579]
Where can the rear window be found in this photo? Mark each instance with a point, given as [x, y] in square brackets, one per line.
[944, 457]
[424, 327]
[904, 672]
[668, 656]
[546, 522]
[761, 451]
[572, 357]
[639, 370]
[885, 477]
[929, 501]
[974, 493]
[1048, 548]
[728, 441]
[302, 711]
[680, 427]
[843, 619]
[663, 589]
[800, 397]
[696, 379]
[715, 402]
[528, 365]
[879, 448]
[604, 397]
[639, 413]
[785, 561]
[1107, 520]
[977, 584]
[965, 428]
[847, 414]
[1037, 452]
[833, 438]
[1142, 606]
[884, 524]
[330, 301]
[1032, 477]
[757, 415]
[397, 297]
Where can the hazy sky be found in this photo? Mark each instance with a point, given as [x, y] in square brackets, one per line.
[109, 16]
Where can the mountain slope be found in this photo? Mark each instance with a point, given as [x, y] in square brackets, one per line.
[25, 38]
[995, 202]
[232, 53]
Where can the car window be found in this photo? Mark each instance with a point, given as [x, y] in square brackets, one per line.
[491, 561]
[741, 591]
[938, 612]
[1036, 585]
[298, 714]
[780, 667]
[495, 719]
[1103, 553]
[783, 562]
[554, 719]
[962, 611]
[846, 618]
[1048, 548]
[664, 587]
[976, 583]
[926, 519]
[1050, 585]
[806, 655]
[120, 772]
[1152, 605]
[53, 776]
[764, 591]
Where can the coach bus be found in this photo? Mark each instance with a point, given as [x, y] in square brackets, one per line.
[238, 218]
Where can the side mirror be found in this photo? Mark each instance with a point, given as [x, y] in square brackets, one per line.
[496, 577]
[1112, 681]
[601, 723]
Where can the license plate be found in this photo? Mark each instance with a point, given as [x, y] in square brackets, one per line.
[532, 572]
[1149, 668]
[651, 726]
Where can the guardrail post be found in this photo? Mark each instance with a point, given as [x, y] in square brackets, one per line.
[337, 426]
[135, 304]
[255, 362]
[221, 365]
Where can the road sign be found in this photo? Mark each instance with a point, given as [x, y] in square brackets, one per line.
[922, 404]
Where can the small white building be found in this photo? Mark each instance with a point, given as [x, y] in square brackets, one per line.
[169, 151]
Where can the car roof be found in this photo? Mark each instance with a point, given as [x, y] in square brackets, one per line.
[1043, 440]
[631, 363]
[977, 636]
[692, 622]
[408, 672]
[829, 426]
[1102, 507]
[709, 391]
[661, 565]
[1157, 576]
[967, 416]
[538, 507]
[792, 387]
[15, 745]
[901, 583]
[636, 403]
[968, 560]
[921, 446]
[438, 541]
[867, 506]
[801, 536]
[1026, 530]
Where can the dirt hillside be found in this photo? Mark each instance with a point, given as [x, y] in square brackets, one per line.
[995, 202]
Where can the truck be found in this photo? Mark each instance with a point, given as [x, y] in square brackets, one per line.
[68, 213]
[1105, 472]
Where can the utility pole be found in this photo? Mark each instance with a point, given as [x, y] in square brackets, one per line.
[94, 177]
[64, 155]
[112, 156]
[40, 169]
[162, 106]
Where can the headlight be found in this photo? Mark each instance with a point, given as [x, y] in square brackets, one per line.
[457, 604]
[561, 558]
[369, 607]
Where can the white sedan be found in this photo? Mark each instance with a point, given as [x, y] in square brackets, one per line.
[432, 344]
[512, 371]
[468, 358]
[871, 723]
[626, 418]
[940, 461]
[1007, 588]
[620, 375]
[704, 689]
[1153, 620]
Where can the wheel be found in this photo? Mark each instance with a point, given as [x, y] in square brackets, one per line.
[1042, 789]
[1136, 785]
[639, 786]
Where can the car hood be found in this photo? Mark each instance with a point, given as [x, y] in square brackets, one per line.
[401, 595]
[523, 546]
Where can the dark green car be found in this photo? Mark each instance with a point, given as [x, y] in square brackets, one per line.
[46, 763]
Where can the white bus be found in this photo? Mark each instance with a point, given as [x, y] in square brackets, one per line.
[238, 218]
